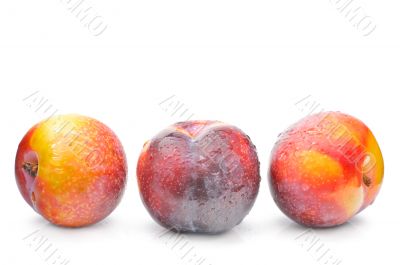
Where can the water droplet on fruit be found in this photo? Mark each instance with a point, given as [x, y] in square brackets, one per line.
[367, 159]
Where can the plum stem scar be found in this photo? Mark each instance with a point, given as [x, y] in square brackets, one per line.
[31, 168]
[367, 181]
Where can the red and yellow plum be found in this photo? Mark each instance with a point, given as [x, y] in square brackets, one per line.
[71, 169]
[325, 169]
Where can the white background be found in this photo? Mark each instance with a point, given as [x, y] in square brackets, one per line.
[243, 62]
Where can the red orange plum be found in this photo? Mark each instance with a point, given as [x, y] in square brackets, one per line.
[325, 169]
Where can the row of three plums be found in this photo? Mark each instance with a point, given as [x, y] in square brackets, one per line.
[200, 176]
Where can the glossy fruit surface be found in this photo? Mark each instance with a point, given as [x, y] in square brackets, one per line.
[71, 169]
[199, 176]
[325, 169]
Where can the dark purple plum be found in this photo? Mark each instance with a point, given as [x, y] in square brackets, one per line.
[199, 176]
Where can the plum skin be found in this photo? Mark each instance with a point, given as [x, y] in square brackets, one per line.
[71, 169]
[199, 176]
[325, 169]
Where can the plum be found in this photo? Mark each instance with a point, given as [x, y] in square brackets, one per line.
[199, 176]
[71, 169]
[325, 169]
